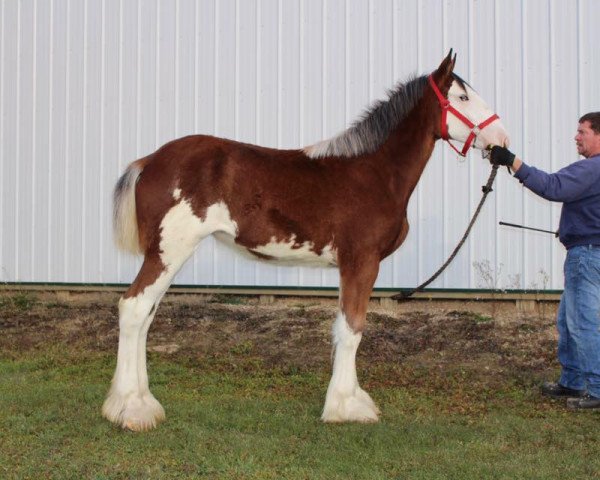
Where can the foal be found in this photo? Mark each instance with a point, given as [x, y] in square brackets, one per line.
[340, 203]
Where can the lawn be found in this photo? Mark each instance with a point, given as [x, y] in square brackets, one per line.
[236, 414]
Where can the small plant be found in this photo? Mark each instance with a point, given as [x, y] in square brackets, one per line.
[544, 281]
[479, 318]
[300, 311]
[243, 348]
[514, 282]
[306, 305]
[227, 299]
[23, 301]
[56, 305]
[489, 277]
[527, 327]
[476, 317]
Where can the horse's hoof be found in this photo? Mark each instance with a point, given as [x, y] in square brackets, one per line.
[137, 425]
[357, 408]
[134, 413]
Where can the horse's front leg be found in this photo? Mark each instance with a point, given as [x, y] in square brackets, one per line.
[346, 401]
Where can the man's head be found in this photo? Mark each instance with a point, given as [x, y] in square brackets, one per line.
[588, 135]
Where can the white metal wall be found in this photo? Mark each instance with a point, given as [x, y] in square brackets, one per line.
[86, 86]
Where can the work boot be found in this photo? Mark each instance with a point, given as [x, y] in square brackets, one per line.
[556, 390]
[587, 402]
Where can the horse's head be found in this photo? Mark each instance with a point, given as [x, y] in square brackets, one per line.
[465, 116]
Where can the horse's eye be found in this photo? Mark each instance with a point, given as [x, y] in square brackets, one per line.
[464, 98]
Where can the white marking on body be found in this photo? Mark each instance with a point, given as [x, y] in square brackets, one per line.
[345, 400]
[181, 229]
[177, 193]
[292, 252]
[286, 252]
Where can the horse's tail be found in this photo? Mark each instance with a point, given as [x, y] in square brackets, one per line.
[125, 224]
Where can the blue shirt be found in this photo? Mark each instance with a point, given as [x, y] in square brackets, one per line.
[578, 187]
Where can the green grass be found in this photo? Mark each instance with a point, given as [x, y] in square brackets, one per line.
[21, 301]
[233, 418]
[224, 299]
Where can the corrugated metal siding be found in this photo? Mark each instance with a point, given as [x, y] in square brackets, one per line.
[86, 86]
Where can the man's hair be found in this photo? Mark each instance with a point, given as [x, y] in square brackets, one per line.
[594, 119]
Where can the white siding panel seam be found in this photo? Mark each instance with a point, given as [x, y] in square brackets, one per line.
[525, 111]
[447, 247]
[418, 192]
[67, 133]
[50, 141]
[579, 69]
[551, 93]
[18, 143]
[122, 98]
[496, 107]
[4, 274]
[237, 91]
[34, 166]
[84, 146]
[469, 243]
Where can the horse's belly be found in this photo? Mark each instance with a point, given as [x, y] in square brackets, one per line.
[288, 252]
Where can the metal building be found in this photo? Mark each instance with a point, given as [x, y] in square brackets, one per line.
[87, 86]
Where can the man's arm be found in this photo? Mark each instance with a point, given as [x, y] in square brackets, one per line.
[566, 185]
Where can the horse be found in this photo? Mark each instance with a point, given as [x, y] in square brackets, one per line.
[339, 203]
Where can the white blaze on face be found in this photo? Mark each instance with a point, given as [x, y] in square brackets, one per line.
[472, 106]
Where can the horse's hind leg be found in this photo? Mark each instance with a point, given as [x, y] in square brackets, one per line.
[130, 403]
[346, 401]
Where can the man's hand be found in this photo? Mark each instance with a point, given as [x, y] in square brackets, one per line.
[502, 156]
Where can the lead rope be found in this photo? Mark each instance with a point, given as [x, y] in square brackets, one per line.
[487, 188]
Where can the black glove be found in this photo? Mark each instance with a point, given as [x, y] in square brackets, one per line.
[501, 156]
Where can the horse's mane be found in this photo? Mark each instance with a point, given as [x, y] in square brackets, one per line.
[374, 126]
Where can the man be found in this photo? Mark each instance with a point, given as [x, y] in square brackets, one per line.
[577, 186]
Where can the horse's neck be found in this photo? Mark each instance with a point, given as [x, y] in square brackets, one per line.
[408, 150]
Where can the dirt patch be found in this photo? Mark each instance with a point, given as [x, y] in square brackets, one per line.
[491, 341]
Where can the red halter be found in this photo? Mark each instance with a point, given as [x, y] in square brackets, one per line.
[445, 106]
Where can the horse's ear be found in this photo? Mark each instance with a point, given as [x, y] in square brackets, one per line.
[443, 74]
[447, 64]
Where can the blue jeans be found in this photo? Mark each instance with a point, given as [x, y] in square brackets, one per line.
[578, 321]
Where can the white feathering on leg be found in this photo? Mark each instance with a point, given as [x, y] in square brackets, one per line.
[346, 401]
